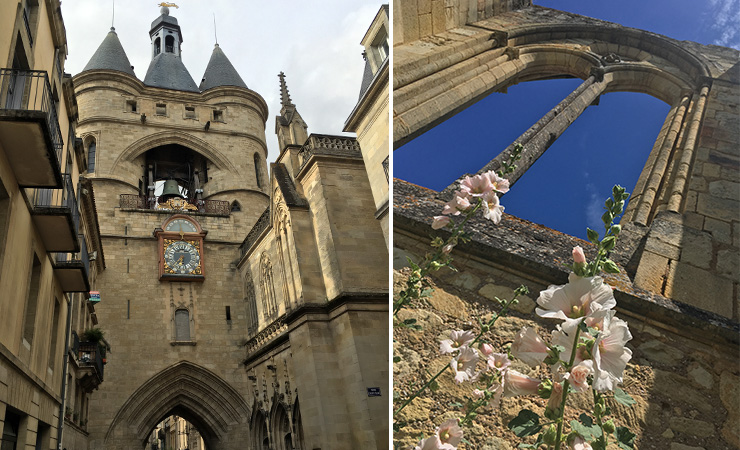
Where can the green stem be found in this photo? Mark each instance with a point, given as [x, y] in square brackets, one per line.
[566, 385]
[599, 419]
[504, 310]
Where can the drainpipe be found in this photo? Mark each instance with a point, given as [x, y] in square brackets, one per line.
[67, 331]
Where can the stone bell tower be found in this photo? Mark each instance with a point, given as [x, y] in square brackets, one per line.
[170, 292]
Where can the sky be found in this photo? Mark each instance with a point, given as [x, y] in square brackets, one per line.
[316, 44]
[609, 144]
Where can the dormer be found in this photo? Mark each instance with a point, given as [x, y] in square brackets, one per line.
[376, 40]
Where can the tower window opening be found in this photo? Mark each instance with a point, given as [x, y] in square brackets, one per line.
[190, 112]
[161, 109]
[169, 44]
[218, 116]
[182, 325]
[157, 46]
[257, 171]
[91, 149]
[131, 106]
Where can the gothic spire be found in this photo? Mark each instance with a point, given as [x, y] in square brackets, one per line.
[284, 95]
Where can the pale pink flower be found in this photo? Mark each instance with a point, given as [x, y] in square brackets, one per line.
[486, 349]
[464, 364]
[579, 297]
[556, 397]
[493, 210]
[578, 256]
[529, 347]
[499, 184]
[430, 443]
[580, 444]
[578, 375]
[477, 185]
[498, 392]
[498, 361]
[448, 248]
[457, 340]
[459, 203]
[477, 393]
[450, 433]
[440, 222]
[516, 383]
[566, 331]
[610, 355]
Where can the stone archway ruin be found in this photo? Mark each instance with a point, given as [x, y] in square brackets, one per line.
[190, 391]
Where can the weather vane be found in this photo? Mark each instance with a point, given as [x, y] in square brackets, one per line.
[168, 5]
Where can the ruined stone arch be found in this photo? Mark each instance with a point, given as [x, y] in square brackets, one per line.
[608, 61]
[172, 137]
[190, 391]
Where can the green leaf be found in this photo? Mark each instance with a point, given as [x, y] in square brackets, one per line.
[625, 438]
[396, 359]
[592, 235]
[623, 397]
[607, 218]
[433, 386]
[586, 420]
[610, 266]
[409, 321]
[525, 424]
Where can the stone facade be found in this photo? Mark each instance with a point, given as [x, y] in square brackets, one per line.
[678, 249]
[275, 340]
[48, 232]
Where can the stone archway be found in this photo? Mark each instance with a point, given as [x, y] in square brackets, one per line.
[192, 392]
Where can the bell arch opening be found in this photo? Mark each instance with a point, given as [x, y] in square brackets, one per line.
[191, 392]
[173, 170]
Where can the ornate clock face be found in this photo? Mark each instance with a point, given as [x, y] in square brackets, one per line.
[181, 226]
[182, 257]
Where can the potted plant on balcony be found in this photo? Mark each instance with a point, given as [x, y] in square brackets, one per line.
[96, 335]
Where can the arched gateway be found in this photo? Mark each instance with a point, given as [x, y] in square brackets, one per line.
[192, 392]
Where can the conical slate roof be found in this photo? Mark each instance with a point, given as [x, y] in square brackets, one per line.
[167, 71]
[110, 56]
[220, 72]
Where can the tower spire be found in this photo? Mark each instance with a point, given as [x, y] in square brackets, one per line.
[284, 95]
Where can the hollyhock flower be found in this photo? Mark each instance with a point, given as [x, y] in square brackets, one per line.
[498, 392]
[430, 443]
[450, 433]
[486, 349]
[610, 355]
[460, 202]
[578, 256]
[493, 210]
[579, 297]
[477, 185]
[477, 393]
[580, 444]
[516, 383]
[529, 347]
[499, 184]
[448, 248]
[464, 364]
[457, 340]
[440, 222]
[556, 398]
[578, 375]
[498, 361]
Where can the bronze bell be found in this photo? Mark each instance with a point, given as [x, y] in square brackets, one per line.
[171, 189]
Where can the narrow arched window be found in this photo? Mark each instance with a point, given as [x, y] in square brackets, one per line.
[91, 156]
[257, 171]
[169, 44]
[157, 46]
[182, 325]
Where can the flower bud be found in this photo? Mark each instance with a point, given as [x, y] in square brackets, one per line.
[578, 256]
[544, 390]
[550, 435]
[486, 349]
[440, 222]
[609, 426]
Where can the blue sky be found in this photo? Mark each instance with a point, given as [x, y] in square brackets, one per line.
[565, 189]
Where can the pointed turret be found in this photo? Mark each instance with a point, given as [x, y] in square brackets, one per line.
[110, 56]
[220, 72]
[166, 69]
[289, 125]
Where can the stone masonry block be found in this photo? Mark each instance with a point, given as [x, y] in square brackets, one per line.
[700, 288]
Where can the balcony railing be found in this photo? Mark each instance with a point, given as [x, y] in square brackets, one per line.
[52, 210]
[29, 127]
[133, 201]
[90, 356]
[73, 268]
[75, 347]
[328, 145]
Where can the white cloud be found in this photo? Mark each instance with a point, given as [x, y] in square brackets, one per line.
[594, 209]
[316, 44]
[726, 22]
